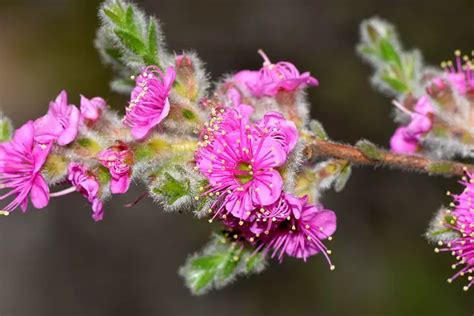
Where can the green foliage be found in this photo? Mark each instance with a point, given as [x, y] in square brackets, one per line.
[317, 128]
[395, 69]
[369, 150]
[172, 189]
[219, 263]
[332, 173]
[343, 177]
[127, 40]
[439, 228]
[440, 168]
[6, 129]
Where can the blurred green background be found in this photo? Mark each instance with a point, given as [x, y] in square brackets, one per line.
[57, 261]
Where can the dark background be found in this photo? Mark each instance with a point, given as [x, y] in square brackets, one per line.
[59, 262]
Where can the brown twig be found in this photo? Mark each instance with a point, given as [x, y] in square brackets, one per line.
[318, 148]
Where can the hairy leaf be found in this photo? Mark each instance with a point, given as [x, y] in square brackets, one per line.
[219, 263]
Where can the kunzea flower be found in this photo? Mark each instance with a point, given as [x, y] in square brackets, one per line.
[460, 220]
[60, 124]
[224, 120]
[460, 73]
[268, 218]
[91, 109]
[264, 220]
[239, 164]
[118, 159]
[87, 184]
[301, 235]
[21, 160]
[406, 139]
[149, 103]
[272, 78]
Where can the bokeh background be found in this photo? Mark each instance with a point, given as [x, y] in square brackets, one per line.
[59, 262]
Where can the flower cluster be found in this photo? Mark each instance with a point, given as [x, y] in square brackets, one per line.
[50, 142]
[243, 161]
[460, 221]
[442, 109]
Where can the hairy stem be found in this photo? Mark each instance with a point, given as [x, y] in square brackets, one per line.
[318, 148]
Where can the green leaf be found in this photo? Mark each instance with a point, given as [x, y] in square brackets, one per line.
[440, 168]
[103, 175]
[202, 280]
[125, 40]
[393, 67]
[206, 262]
[152, 38]
[370, 150]
[130, 21]
[131, 41]
[6, 129]
[396, 84]
[218, 264]
[172, 189]
[317, 128]
[254, 262]
[112, 16]
[343, 177]
[188, 114]
[389, 53]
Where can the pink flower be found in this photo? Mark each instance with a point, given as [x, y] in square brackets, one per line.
[460, 75]
[272, 78]
[239, 162]
[269, 218]
[283, 131]
[301, 236]
[60, 124]
[406, 139]
[403, 142]
[86, 183]
[91, 109]
[21, 160]
[118, 159]
[460, 221]
[264, 220]
[149, 103]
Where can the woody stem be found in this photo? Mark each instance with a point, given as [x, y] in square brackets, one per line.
[319, 148]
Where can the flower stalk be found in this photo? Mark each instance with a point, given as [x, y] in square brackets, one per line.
[319, 148]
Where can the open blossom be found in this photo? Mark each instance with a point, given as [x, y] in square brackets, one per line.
[460, 74]
[91, 109]
[149, 103]
[118, 159]
[21, 160]
[272, 78]
[301, 237]
[239, 161]
[60, 124]
[86, 183]
[461, 221]
[406, 138]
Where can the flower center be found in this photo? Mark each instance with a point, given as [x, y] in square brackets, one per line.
[243, 172]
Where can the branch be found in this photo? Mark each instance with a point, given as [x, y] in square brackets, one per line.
[318, 148]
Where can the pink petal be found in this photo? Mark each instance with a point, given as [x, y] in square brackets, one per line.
[267, 188]
[120, 185]
[325, 219]
[70, 132]
[39, 193]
